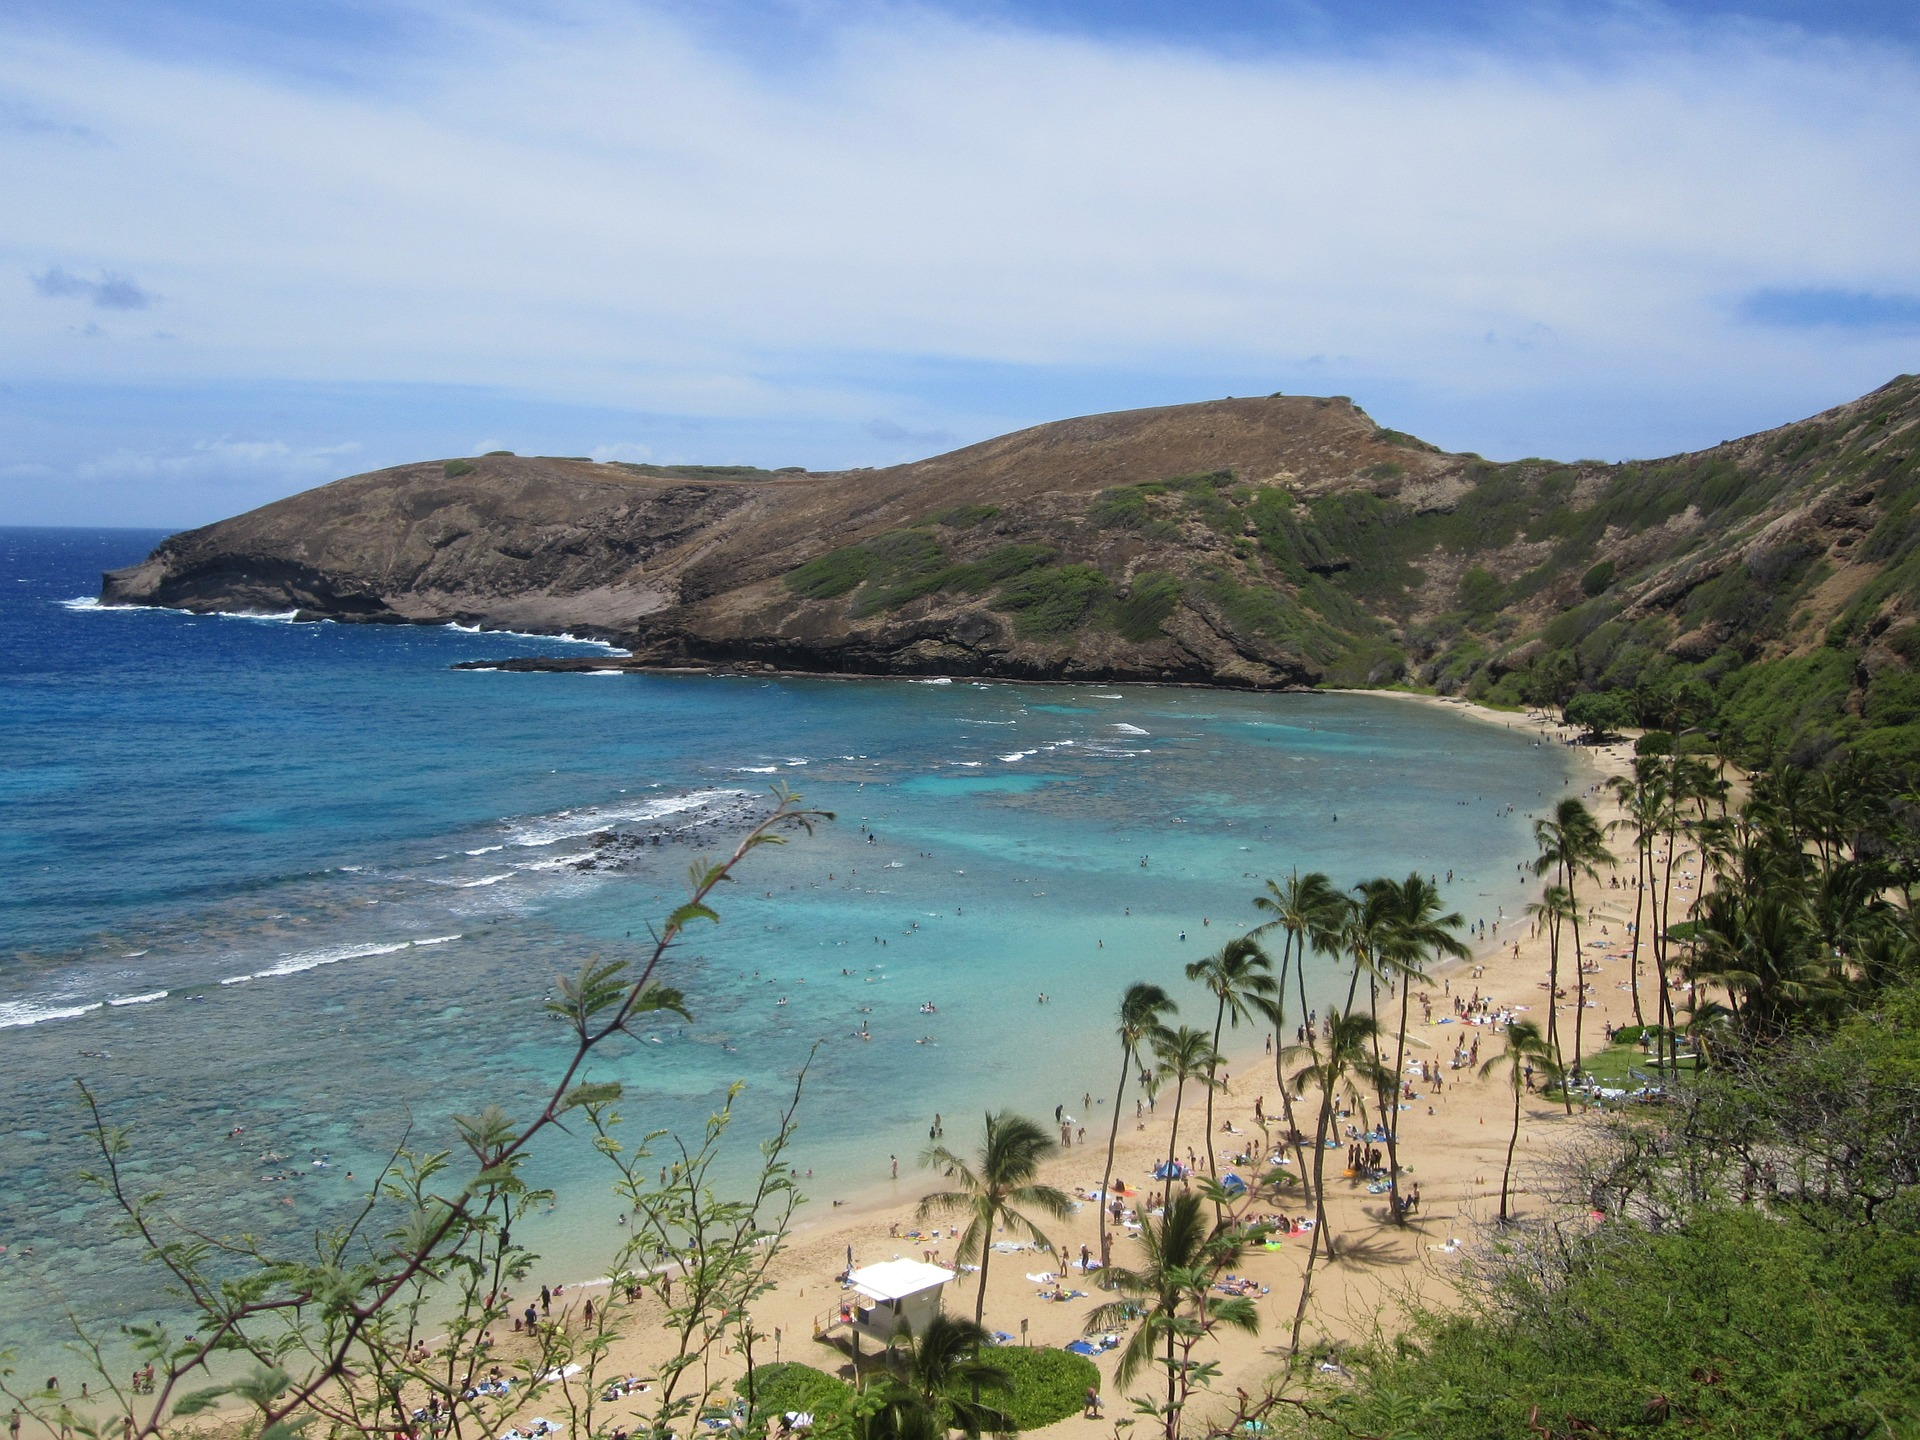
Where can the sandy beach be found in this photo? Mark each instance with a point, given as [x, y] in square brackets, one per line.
[1453, 1140]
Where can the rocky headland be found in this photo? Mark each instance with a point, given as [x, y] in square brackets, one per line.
[1259, 543]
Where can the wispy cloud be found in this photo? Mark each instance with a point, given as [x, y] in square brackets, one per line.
[1814, 309]
[643, 217]
[109, 292]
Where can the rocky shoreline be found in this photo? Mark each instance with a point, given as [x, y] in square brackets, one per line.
[723, 816]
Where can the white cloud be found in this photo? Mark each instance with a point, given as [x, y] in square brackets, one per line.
[253, 465]
[602, 208]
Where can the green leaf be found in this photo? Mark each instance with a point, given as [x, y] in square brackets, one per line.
[196, 1401]
[599, 1093]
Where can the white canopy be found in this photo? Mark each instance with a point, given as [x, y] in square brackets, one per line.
[897, 1279]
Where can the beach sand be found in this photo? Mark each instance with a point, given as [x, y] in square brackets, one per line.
[1452, 1143]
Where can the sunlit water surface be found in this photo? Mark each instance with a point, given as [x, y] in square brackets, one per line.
[307, 881]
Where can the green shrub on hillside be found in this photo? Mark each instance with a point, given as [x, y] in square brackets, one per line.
[1150, 600]
[994, 567]
[454, 469]
[1050, 603]
[831, 574]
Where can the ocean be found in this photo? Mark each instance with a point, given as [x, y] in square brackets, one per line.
[309, 884]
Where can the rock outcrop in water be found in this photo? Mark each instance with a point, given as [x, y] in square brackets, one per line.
[1256, 543]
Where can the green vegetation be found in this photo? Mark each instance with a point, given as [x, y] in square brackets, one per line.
[1150, 600]
[788, 1386]
[965, 517]
[831, 574]
[1047, 1385]
[1050, 603]
[903, 565]
[454, 469]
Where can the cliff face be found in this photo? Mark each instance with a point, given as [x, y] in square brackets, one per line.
[1259, 543]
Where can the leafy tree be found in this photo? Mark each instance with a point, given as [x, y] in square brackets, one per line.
[394, 1308]
[1417, 932]
[1526, 1048]
[999, 1179]
[1172, 1294]
[1141, 1022]
[1184, 1054]
[1310, 910]
[945, 1375]
[1598, 714]
[1234, 975]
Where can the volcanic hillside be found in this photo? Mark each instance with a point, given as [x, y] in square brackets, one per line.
[1258, 543]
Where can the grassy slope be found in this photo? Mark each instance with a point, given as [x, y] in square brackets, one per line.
[1770, 586]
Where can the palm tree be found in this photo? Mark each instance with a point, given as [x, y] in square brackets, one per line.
[1310, 910]
[1642, 798]
[1141, 1010]
[945, 1376]
[1525, 1046]
[1571, 845]
[1417, 932]
[1174, 1289]
[1349, 1060]
[1184, 1055]
[1233, 975]
[1548, 912]
[990, 1188]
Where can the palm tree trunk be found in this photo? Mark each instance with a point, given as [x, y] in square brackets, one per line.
[1173, 1138]
[1507, 1174]
[1213, 1065]
[1553, 995]
[1320, 1235]
[1663, 1053]
[1393, 1115]
[1639, 900]
[1579, 977]
[1173, 1393]
[1279, 1073]
[986, 1254]
[1320, 1162]
[1113, 1140]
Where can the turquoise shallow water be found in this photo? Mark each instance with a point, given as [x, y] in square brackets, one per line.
[372, 852]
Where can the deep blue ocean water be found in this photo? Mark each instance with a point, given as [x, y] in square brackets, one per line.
[308, 881]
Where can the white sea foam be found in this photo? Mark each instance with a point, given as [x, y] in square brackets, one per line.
[484, 880]
[435, 940]
[1018, 755]
[592, 819]
[314, 959]
[611, 649]
[605, 672]
[553, 862]
[969, 764]
[486, 849]
[146, 999]
[17, 1013]
[796, 762]
[1109, 697]
[757, 769]
[940, 680]
[1125, 729]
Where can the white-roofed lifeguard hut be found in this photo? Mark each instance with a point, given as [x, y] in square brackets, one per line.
[901, 1296]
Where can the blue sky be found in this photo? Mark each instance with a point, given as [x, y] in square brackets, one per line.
[247, 249]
